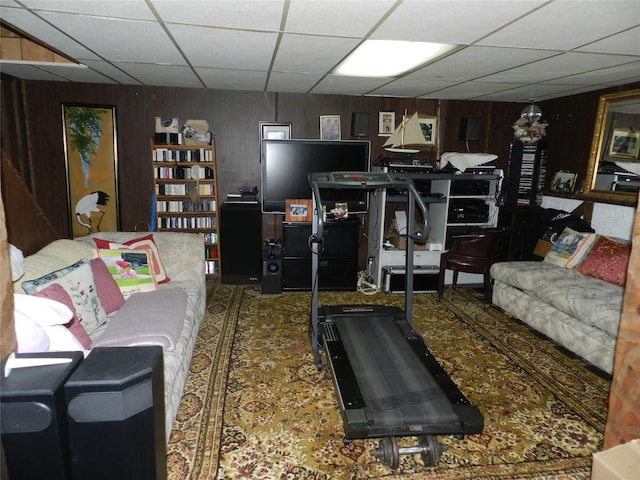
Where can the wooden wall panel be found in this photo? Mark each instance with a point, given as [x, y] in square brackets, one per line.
[234, 116]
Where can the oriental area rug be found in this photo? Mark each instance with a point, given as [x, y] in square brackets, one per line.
[256, 407]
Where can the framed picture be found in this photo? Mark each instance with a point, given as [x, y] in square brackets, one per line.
[298, 210]
[429, 126]
[91, 159]
[330, 127]
[275, 131]
[386, 123]
[564, 182]
[624, 143]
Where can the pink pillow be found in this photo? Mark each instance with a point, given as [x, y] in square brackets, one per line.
[109, 293]
[607, 260]
[59, 294]
[146, 243]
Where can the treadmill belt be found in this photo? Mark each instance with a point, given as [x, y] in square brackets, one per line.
[396, 386]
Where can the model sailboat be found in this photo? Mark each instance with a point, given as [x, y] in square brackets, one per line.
[408, 133]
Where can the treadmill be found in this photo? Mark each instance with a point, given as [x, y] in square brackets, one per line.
[387, 381]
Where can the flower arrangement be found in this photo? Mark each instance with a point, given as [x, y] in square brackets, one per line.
[527, 130]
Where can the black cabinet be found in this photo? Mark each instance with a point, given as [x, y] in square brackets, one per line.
[338, 264]
[241, 242]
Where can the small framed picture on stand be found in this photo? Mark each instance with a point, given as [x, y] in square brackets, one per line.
[298, 210]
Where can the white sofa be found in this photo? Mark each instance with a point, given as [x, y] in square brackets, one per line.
[182, 256]
[580, 312]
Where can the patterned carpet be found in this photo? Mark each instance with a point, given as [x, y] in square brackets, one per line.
[256, 407]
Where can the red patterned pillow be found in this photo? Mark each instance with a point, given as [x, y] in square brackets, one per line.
[143, 243]
[607, 260]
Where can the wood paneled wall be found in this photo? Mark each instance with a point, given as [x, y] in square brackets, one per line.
[234, 117]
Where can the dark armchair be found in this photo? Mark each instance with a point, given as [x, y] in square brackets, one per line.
[474, 253]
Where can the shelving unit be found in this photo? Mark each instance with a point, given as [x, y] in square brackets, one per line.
[457, 204]
[185, 180]
[526, 174]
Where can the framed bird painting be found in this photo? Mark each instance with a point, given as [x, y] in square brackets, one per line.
[91, 158]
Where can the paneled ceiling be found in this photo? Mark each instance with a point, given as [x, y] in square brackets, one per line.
[510, 50]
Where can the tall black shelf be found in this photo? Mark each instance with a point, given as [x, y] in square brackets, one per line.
[526, 174]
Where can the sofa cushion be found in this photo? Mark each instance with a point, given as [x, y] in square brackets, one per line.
[145, 243]
[130, 269]
[77, 280]
[57, 293]
[607, 260]
[109, 293]
[570, 248]
[152, 318]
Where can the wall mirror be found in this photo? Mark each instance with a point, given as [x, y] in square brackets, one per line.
[613, 173]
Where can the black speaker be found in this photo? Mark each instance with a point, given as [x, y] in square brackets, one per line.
[272, 269]
[115, 415]
[33, 418]
[240, 242]
[470, 129]
[359, 124]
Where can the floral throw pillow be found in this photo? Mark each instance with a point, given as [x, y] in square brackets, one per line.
[570, 248]
[77, 280]
[607, 260]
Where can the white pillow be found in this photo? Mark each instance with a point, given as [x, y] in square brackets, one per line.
[37, 316]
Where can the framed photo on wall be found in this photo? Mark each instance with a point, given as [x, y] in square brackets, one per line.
[429, 126]
[275, 131]
[91, 160]
[330, 127]
[386, 123]
[298, 210]
[624, 143]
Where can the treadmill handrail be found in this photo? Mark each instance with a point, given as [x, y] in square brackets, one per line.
[363, 181]
[322, 180]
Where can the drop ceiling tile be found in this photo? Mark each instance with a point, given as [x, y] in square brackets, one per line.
[28, 72]
[161, 75]
[339, 85]
[220, 48]
[127, 41]
[111, 71]
[353, 18]
[624, 43]
[524, 93]
[82, 75]
[311, 54]
[47, 34]
[241, 14]
[410, 87]
[474, 62]
[460, 22]
[129, 9]
[292, 82]
[586, 21]
[559, 66]
[232, 79]
[467, 90]
[627, 73]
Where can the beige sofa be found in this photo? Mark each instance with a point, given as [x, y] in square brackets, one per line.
[182, 256]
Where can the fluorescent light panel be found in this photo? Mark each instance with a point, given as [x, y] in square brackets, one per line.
[389, 58]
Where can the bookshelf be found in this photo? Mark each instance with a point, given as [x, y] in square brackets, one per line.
[185, 182]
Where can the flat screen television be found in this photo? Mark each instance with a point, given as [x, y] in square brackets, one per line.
[286, 165]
